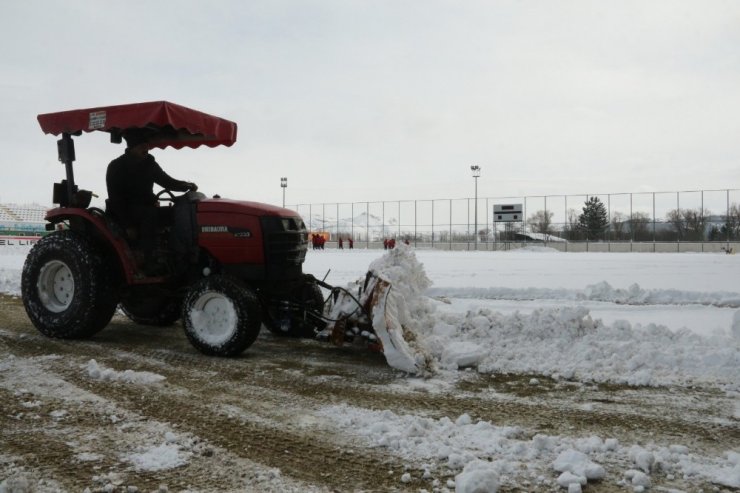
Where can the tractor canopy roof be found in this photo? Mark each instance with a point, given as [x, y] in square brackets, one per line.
[170, 124]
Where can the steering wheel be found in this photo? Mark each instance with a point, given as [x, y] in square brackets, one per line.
[171, 197]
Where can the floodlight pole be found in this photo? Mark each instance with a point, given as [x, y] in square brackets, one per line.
[476, 174]
[284, 185]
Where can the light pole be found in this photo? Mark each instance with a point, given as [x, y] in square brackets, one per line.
[476, 174]
[283, 185]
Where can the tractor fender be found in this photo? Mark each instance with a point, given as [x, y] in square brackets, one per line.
[94, 220]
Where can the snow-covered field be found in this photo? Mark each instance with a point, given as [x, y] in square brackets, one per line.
[655, 320]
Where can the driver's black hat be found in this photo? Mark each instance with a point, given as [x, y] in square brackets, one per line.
[136, 136]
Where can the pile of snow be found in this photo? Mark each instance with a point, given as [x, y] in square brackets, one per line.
[99, 372]
[487, 455]
[558, 342]
[404, 311]
[568, 343]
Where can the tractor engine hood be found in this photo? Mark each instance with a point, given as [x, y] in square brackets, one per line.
[243, 207]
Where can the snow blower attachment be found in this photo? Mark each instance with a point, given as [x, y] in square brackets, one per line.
[375, 316]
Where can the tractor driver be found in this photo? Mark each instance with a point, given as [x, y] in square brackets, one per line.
[130, 180]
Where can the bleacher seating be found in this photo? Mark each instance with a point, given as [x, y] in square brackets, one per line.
[29, 213]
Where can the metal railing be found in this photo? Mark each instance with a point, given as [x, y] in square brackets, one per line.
[695, 216]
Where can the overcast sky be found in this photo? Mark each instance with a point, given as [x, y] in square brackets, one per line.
[384, 100]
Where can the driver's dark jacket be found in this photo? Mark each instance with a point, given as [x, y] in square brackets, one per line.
[130, 181]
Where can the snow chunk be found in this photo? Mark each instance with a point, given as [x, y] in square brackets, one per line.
[729, 473]
[18, 483]
[638, 479]
[643, 459]
[162, 457]
[99, 372]
[568, 478]
[477, 477]
[462, 354]
[579, 464]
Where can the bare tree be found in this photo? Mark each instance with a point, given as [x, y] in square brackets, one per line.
[689, 224]
[570, 228]
[731, 229]
[541, 222]
[639, 226]
[617, 225]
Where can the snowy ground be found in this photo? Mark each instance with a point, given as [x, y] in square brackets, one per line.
[648, 338]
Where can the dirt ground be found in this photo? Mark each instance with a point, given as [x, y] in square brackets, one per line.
[245, 425]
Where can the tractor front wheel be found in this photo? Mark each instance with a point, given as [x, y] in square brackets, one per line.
[221, 316]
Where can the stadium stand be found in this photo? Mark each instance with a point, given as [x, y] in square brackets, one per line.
[20, 219]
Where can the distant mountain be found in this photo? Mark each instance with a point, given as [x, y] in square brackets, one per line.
[362, 221]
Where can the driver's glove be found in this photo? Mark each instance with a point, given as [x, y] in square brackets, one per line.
[192, 187]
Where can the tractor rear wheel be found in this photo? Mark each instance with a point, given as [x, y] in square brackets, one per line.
[67, 286]
[149, 307]
[221, 316]
[296, 322]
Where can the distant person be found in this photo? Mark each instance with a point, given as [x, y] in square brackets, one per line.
[385, 243]
[130, 180]
[341, 243]
[351, 243]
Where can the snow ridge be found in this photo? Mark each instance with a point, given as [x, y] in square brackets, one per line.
[602, 291]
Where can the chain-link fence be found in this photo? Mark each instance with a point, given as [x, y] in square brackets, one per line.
[698, 220]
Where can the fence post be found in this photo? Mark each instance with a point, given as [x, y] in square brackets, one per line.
[609, 223]
[467, 236]
[678, 211]
[432, 224]
[367, 230]
[451, 224]
[547, 221]
[632, 225]
[653, 222]
[415, 224]
[524, 218]
[382, 226]
[727, 220]
[488, 240]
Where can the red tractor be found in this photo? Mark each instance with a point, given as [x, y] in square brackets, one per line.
[226, 266]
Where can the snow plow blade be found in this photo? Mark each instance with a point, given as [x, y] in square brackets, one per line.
[375, 316]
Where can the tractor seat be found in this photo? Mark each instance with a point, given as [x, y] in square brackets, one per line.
[128, 231]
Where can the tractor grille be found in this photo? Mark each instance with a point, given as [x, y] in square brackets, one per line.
[286, 243]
